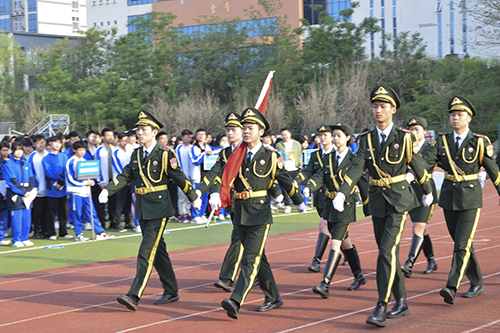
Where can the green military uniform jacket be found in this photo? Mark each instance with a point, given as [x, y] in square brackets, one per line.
[430, 170]
[393, 160]
[260, 175]
[315, 164]
[475, 151]
[330, 177]
[159, 165]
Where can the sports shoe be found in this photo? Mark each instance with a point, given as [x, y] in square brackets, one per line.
[181, 218]
[137, 229]
[18, 244]
[67, 236]
[221, 217]
[4, 242]
[28, 243]
[87, 226]
[53, 237]
[197, 220]
[81, 238]
[280, 205]
[228, 217]
[288, 209]
[70, 226]
[204, 219]
[103, 236]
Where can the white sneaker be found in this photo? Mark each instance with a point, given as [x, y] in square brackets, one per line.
[81, 238]
[137, 229]
[18, 244]
[197, 220]
[28, 243]
[288, 209]
[53, 238]
[221, 217]
[69, 226]
[204, 219]
[56, 225]
[87, 226]
[103, 236]
[5, 242]
[281, 205]
[68, 236]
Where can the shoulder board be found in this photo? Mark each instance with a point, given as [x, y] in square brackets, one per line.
[365, 132]
[166, 148]
[442, 133]
[479, 135]
[404, 130]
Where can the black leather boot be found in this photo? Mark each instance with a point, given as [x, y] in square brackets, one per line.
[352, 257]
[400, 309]
[429, 253]
[330, 268]
[321, 245]
[377, 317]
[416, 246]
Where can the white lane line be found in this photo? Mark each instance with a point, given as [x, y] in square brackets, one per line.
[484, 326]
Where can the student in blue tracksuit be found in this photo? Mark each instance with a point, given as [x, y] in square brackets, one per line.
[79, 197]
[20, 181]
[54, 165]
[4, 212]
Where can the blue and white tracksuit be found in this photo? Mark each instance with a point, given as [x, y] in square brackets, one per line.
[4, 212]
[79, 199]
[196, 156]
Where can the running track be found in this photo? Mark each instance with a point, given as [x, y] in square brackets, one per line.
[82, 298]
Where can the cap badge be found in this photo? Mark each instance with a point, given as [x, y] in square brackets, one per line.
[232, 116]
[322, 129]
[382, 90]
[413, 121]
[142, 115]
[339, 124]
[456, 101]
[250, 113]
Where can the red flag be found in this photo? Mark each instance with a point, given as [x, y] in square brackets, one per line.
[234, 162]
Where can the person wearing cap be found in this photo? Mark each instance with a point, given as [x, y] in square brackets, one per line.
[151, 166]
[329, 178]
[461, 153]
[387, 151]
[420, 216]
[315, 164]
[251, 212]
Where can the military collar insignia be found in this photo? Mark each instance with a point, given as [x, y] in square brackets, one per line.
[382, 90]
[142, 115]
[456, 101]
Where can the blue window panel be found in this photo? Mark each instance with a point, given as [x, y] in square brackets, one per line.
[371, 3]
[5, 24]
[33, 22]
[371, 12]
[440, 51]
[452, 17]
[464, 38]
[439, 18]
[383, 12]
[382, 3]
[393, 11]
[32, 5]
[451, 5]
[440, 30]
[4, 7]
[382, 23]
[139, 2]
[394, 25]
[133, 27]
[452, 28]
[440, 40]
[394, 32]
[464, 28]
[394, 2]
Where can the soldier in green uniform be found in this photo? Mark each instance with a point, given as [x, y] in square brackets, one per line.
[251, 211]
[151, 166]
[461, 154]
[330, 177]
[314, 165]
[387, 152]
[421, 215]
[232, 259]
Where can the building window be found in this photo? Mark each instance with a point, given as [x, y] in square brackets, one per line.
[116, 22]
[140, 2]
[32, 5]
[95, 24]
[74, 5]
[33, 23]
[452, 28]
[94, 3]
[440, 29]
[102, 24]
[18, 24]
[5, 24]
[18, 5]
[310, 14]
[464, 30]
[76, 23]
[109, 22]
[335, 6]
[4, 7]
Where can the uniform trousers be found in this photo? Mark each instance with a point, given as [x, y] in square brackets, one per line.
[254, 263]
[388, 232]
[232, 259]
[286, 196]
[123, 204]
[4, 220]
[81, 208]
[20, 220]
[59, 206]
[39, 215]
[462, 226]
[153, 252]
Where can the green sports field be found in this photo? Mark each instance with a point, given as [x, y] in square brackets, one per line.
[53, 254]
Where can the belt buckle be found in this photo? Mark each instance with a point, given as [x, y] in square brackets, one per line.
[243, 195]
[141, 190]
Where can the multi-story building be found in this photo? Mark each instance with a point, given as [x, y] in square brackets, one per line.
[52, 17]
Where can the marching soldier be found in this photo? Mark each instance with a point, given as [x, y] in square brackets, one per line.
[251, 211]
[421, 215]
[330, 177]
[151, 166]
[386, 152]
[461, 154]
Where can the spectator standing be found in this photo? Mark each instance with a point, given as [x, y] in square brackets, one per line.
[4, 217]
[39, 213]
[121, 157]
[182, 151]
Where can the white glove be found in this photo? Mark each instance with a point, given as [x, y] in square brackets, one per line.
[306, 192]
[214, 201]
[427, 200]
[197, 204]
[103, 197]
[410, 177]
[338, 202]
[301, 208]
[279, 198]
[198, 192]
[482, 177]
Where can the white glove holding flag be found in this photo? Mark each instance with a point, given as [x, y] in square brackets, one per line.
[103, 197]
[427, 199]
[306, 192]
[214, 201]
[301, 208]
[338, 202]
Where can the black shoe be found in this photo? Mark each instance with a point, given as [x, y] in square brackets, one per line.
[38, 235]
[448, 294]
[359, 280]
[322, 290]
[431, 265]
[400, 309]
[129, 226]
[377, 317]
[231, 307]
[166, 298]
[268, 306]
[130, 301]
[473, 292]
[315, 266]
[119, 228]
[225, 284]
[345, 262]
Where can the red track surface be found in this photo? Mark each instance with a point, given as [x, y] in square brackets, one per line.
[82, 298]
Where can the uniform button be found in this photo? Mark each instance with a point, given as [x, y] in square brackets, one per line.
[143, 166]
[382, 158]
[471, 185]
[402, 187]
[247, 169]
[383, 189]
[456, 158]
[262, 201]
[159, 197]
[454, 184]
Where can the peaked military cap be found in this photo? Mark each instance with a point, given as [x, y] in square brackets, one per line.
[417, 121]
[254, 116]
[233, 119]
[343, 127]
[459, 103]
[325, 128]
[144, 118]
[385, 94]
